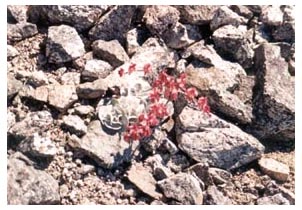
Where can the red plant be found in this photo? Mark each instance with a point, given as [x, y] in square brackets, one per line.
[169, 87]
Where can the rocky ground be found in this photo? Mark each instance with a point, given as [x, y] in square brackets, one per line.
[62, 68]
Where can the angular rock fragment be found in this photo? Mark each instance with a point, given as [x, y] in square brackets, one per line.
[83, 109]
[91, 90]
[114, 24]
[11, 52]
[271, 15]
[208, 55]
[110, 51]
[225, 16]
[242, 11]
[38, 146]
[218, 84]
[95, 69]
[81, 17]
[20, 31]
[159, 170]
[74, 124]
[13, 86]
[17, 12]
[109, 151]
[62, 96]
[135, 38]
[182, 187]
[231, 40]
[196, 14]
[141, 177]
[212, 141]
[70, 78]
[216, 197]
[181, 36]
[27, 185]
[274, 169]
[63, 44]
[274, 101]
[277, 199]
[32, 123]
[160, 18]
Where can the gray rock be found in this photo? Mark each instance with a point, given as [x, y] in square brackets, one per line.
[208, 55]
[277, 199]
[233, 41]
[80, 62]
[109, 151]
[155, 53]
[219, 176]
[288, 12]
[81, 17]
[62, 96]
[196, 14]
[271, 15]
[183, 188]
[159, 170]
[38, 146]
[39, 93]
[95, 69]
[217, 84]
[32, 123]
[181, 36]
[141, 177]
[13, 86]
[274, 169]
[216, 197]
[285, 32]
[201, 171]
[291, 67]
[83, 109]
[110, 51]
[74, 124]
[225, 16]
[158, 19]
[213, 141]
[91, 90]
[242, 11]
[11, 119]
[244, 91]
[70, 78]
[274, 102]
[63, 44]
[17, 12]
[114, 24]
[255, 8]
[20, 31]
[133, 40]
[38, 78]
[27, 185]
[11, 52]
[177, 163]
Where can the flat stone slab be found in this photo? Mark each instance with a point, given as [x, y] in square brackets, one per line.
[215, 142]
[274, 169]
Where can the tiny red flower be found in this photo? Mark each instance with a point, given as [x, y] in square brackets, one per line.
[154, 95]
[191, 93]
[203, 104]
[181, 81]
[131, 68]
[160, 110]
[147, 68]
[121, 72]
[152, 120]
